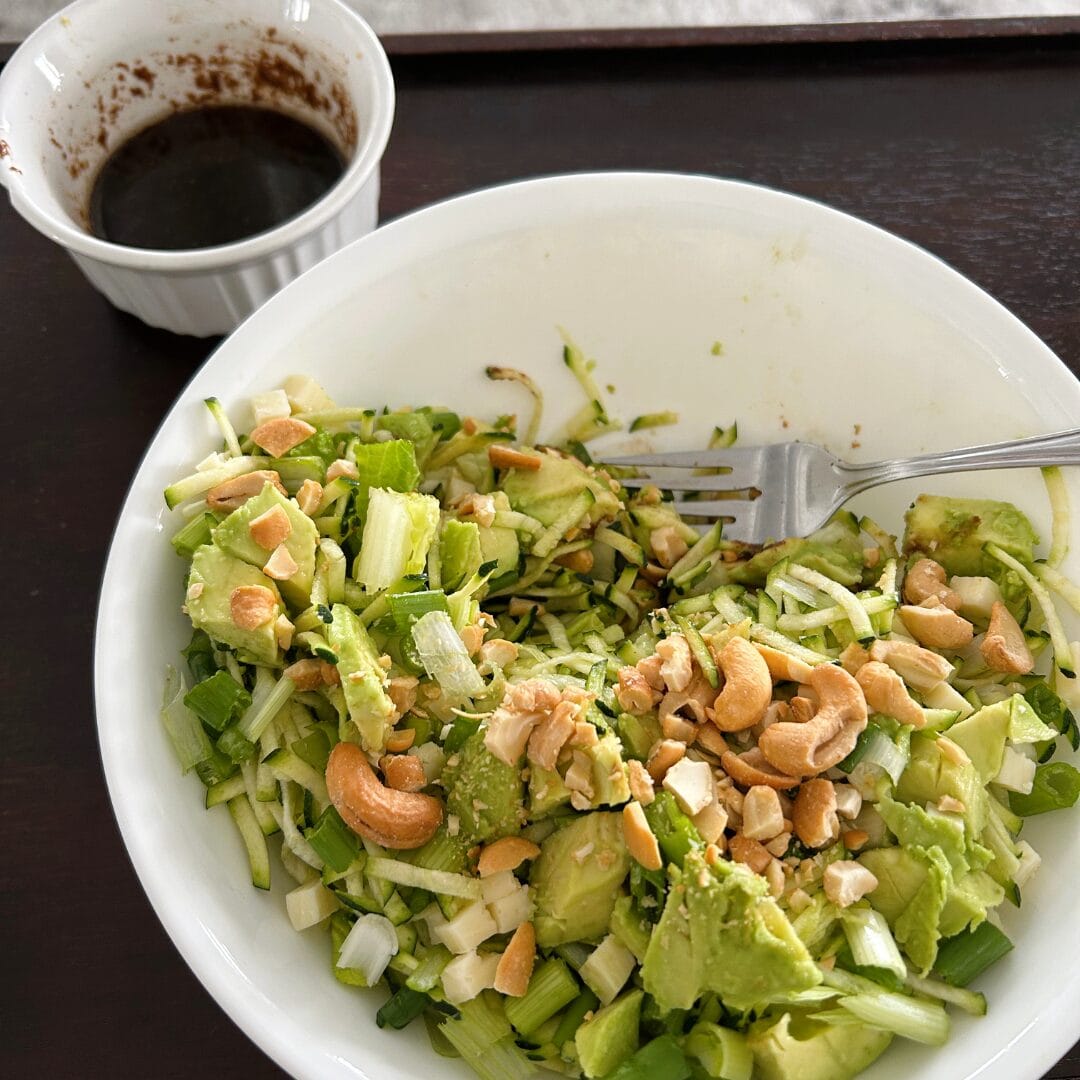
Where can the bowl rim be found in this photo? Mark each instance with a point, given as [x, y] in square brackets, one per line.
[535, 202]
[239, 252]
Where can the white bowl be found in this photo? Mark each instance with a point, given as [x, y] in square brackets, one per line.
[101, 70]
[826, 323]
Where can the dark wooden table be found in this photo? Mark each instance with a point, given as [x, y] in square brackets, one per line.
[970, 148]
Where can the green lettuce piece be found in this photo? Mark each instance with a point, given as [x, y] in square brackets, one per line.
[918, 927]
[460, 554]
[411, 427]
[720, 931]
[399, 529]
[1025, 724]
[389, 465]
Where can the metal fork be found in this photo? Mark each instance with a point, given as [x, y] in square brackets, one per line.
[767, 493]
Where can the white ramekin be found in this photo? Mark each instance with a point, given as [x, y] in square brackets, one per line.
[100, 70]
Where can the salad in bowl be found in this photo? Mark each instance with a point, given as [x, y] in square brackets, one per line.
[584, 787]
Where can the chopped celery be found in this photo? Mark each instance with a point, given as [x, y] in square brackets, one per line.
[436, 881]
[408, 607]
[551, 988]
[269, 697]
[913, 1018]
[194, 534]
[402, 1009]
[482, 1036]
[217, 700]
[445, 658]
[334, 842]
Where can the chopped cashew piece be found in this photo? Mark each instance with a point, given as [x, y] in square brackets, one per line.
[751, 853]
[397, 742]
[1005, 648]
[665, 754]
[640, 839]
[580, 561]
[926, 579]
[691, 783]
[498, 652]
[677, 668]
[854, 839]
[918, 667]
[782, 666]
[711, 822]
[468, 975]
[551, 735]
[281, 565]
[524, 705]
[751, 768]
[307, 674]
[478, 508]
[505, 457]
[342, 467]
[505, 854]
[232, 494]
[937, 627]
[774, 875]
[886, 693]
[710, 740]
[516, 963]
[847, 882]
[634, 693]
[668, 545]
[250, 606]
[853, 657]
[402, 692]
[763, 818]
[271, 528]
[403, 772]
[283, 632]
[400, 820]
[747, 687]
[848, 801]
[641, 785]
[814, 814]
[278, 436]
[309, 497]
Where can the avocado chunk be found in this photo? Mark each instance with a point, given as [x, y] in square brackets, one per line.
[835, 550]
[233, 536]
[953, 532]
[459, 552]
[797, 1048]
[611, 1036]
[724, 1054]
[721, 931]
[576, 879]
[547, 792]
[362, 677]
[548, 493]
[486, 795]
[610, 780]
[630, 927]
[500, 546]
[218, 574]
[900, 874]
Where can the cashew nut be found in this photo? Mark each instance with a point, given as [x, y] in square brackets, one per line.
[516, 963]
[634, 693]
[814, 814]
[710, 740]
[231, 494]
[751, 853]
[819, 744]
[1004, 648]
[926, 578]
[580, 561]
[677, 668]
[403, 772]
[399, 820]
[918, 667]
[551, 735]
[697, 698]
[846, 882]
[763, 819]
[665, 754]
[281, 566]
[853, 657]
[309, 497]
[747, 687]
[505, 457]
[270, 528]
[252, 605]
[751, 768]
[278, 436]
[937, 627]
[507, 853]
[641, 785]
[342, 467]
[886, 693]
[668, 545]
[782, 666]
[640, 839]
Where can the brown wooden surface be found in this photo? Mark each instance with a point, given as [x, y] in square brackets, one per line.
[969, 148]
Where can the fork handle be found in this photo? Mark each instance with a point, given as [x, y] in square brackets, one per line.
[1059, 448]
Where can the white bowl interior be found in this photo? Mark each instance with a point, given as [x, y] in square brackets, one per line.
[831, 331]
[99, 72]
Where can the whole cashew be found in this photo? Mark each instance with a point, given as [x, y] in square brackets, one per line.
[1005, 648]
[747, 687]
[751, 769]
[819, 744]
[886, 693]
[926, 578]
[399, 820]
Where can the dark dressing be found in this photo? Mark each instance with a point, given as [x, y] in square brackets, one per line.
[211, 176]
